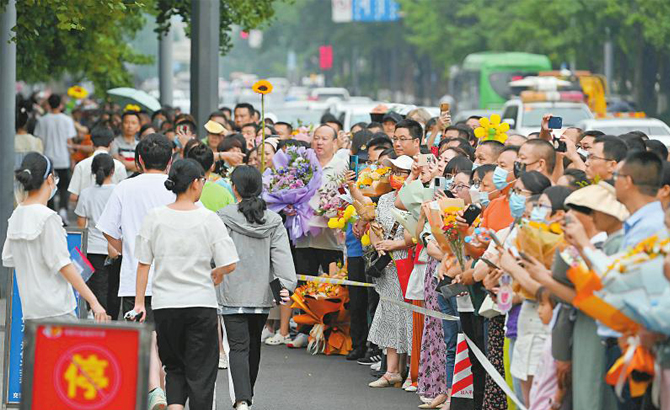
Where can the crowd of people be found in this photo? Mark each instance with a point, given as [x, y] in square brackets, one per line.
[179, 235]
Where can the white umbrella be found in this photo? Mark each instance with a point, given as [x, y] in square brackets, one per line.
[134, 96]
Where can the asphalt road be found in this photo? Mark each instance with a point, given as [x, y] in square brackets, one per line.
[292, 379]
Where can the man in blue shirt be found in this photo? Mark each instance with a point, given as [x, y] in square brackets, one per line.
[637, 181]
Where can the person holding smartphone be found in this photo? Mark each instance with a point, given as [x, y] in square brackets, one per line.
[181, 240]
[36, 247]
[245, 298]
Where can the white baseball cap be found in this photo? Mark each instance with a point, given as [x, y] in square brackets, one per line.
[402, 162]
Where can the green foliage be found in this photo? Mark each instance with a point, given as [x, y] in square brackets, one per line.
[248, 14]
[87, 39]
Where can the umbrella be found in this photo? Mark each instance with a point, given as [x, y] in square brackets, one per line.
[126, 95]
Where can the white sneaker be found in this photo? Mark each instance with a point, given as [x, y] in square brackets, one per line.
[278, 339]
[376, 366]
[157, 400]
[242, 406]
[223, 361]
[301, 340]
[266, 334]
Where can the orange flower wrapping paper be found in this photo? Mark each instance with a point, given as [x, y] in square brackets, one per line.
[324, 307]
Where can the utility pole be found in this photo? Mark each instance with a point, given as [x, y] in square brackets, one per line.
[204, 59]
[7, 119]
[609, 60]
[165, 67]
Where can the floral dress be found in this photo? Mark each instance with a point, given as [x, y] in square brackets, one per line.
[432, 365]
[392, 325]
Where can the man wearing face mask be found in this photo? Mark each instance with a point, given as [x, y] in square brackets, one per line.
[481, 185]
[536, 155]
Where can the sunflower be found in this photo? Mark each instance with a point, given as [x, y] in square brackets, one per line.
[262, 87]
[492, 129]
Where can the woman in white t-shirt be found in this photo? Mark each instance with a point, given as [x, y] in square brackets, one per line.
[105, 259]
[36, 247]
[181, 240]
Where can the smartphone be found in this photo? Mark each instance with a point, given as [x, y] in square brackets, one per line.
[353, 164]
[131, 316]
[440, 183]
[471, 213]
[488, 262]
[276, 287]
[453, 289]
[524, 256]
[555, 123]
[495, 239]
[426, 159]
[560, 145]
[182, 128]
[444, 107]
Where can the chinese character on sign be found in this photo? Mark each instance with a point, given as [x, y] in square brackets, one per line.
[87, 374]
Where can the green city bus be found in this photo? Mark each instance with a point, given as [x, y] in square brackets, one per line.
[482, 82]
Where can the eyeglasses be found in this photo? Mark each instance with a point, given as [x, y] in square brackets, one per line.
[402, 139]
[400, 172]
[459, 187]
[476, 183]
[597, 157]
[617, 174]
[522, 192]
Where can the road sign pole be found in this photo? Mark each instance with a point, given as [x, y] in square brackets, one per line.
[204, 59]
[165, 67]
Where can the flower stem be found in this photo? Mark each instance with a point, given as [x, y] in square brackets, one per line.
[263, 138]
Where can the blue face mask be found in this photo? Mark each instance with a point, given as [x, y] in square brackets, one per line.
[500, 178]
[539, 214]
[475, 166]
[517, 204]
[479, 197]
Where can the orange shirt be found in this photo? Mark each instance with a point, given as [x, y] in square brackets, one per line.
[497, 215]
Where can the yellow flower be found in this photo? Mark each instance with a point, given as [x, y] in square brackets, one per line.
[349, 212]
[262, 87]
[492, 129]
[132, 107]
[332, 223]
[77, 92]
[365, 239]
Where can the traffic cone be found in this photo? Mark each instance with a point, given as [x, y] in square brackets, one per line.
[462, 388]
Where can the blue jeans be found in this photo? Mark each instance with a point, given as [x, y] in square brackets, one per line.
[450, 329]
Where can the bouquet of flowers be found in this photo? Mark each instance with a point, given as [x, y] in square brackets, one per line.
[374, 181]
[330, 200]
[290, 186]
[540, 241]
[441, 216]
[342, 218]
[453, 234]
[303, 133]
[325, 310]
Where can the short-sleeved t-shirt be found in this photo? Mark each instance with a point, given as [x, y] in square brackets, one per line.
[91, 203]
[215, 197]
[83, 177]
[122, 218]
[123, 148]
[54, 130]
[497, 215]
[181, 245]
[36, 246]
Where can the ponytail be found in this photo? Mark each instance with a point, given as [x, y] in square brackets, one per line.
[34, 170]
[248, 183]
[102, 167]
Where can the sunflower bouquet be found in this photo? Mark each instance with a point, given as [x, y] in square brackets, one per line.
[453, 234]
[540, 241]
[441, 216]
[374, 181]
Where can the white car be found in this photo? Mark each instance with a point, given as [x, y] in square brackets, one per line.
[324, 93]
[655, 129]
[526, 117]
